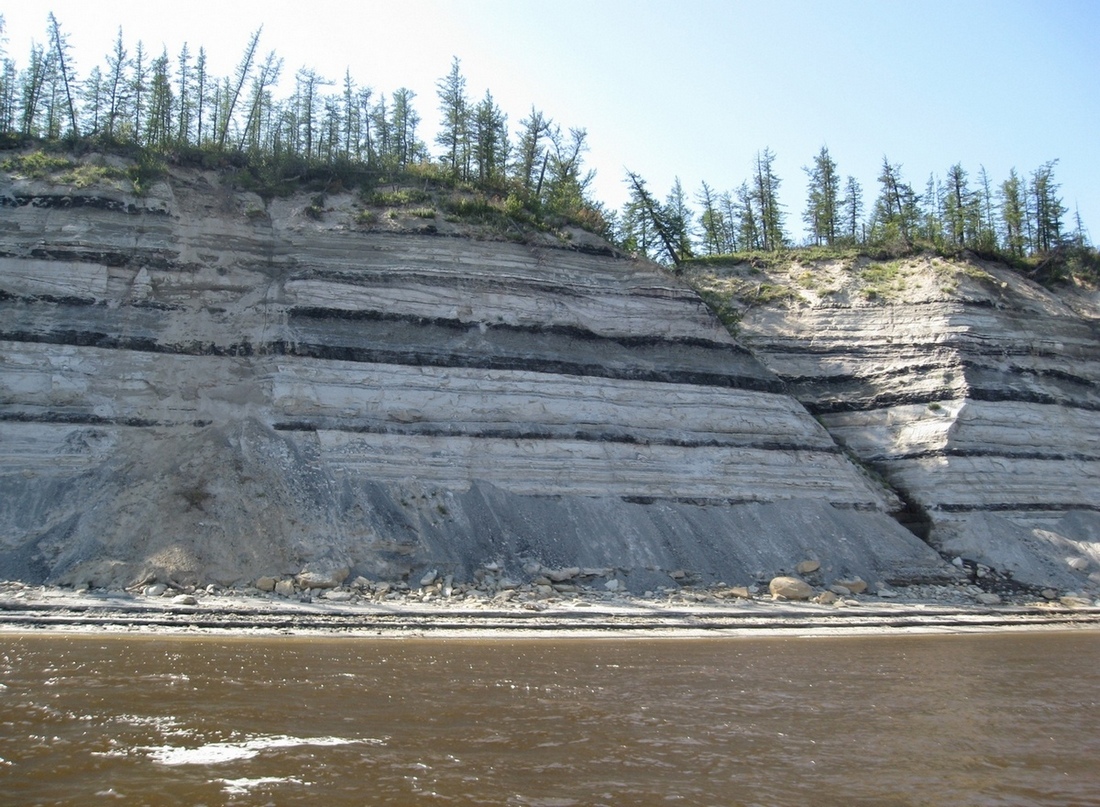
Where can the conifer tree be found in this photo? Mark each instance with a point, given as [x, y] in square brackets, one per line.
[853, 209]
[65, 70]
[93, 98]
[33, 81]
[668, 231]
[490, 135]
[137, 91]
[822, 214]
[7, 86]
[896, 210]
[766, 195]
[232, 91]
[454, 126]
[202, 84]
[987, 227]
[405, 121]
[1046, 206]
[1013, 215]
[961, 211]
[530, 155]
[183, 95]
[118, 92]
[931, 228]
[158, 122]
[260, 104]
[712, 222]
[748, 222]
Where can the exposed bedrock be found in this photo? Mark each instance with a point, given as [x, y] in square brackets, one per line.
[199, 386]
[975, 392]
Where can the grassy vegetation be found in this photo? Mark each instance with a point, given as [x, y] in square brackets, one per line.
[882, 280]
[64, 169]
[35, 165]
[1066, 263]
[723, 306]
[396, 197]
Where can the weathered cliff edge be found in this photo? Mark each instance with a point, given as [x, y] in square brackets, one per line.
[973, 391]
[197, 386]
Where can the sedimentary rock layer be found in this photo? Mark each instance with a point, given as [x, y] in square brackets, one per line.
[975, 391]
[200, 385]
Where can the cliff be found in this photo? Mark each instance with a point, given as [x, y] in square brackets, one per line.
[973, 391]
[200, 385]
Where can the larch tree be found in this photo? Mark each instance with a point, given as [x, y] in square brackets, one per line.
[364, 144]
[680, 219]
[1013, 215]
[383, 130]
[65, 70]
[260, 104]
[183, 96]
[138, 86]
[567, 182]
[490, 136]
[748, 221]
[202, 86]
[931, 228]
[960, 208]
[852, 204]
[896, 211]
[351, 118]
[531, 155]
[1046, 206]
[8, 83]
[669, 239]
[118, 91]
[987, 227]
[711, 222]
[405, 121]
[822, 214]
[454, 125]
[233, 89]
[93, 98]
[766, 195]
[33, 79]
[158, 121]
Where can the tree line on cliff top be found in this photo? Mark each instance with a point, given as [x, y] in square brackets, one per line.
[344, 133]
[174, 108]
[1020, 218]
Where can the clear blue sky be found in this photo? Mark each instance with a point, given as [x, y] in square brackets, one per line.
[692, 88]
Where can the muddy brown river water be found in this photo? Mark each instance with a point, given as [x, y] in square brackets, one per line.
[1009, 719]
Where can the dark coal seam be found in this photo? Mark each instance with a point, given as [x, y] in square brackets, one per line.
[977, 452]
[530, 434]
[68, 201]
[83, 419]
[1006, 507]
[390, 356]
[988, 396]
[549, 366]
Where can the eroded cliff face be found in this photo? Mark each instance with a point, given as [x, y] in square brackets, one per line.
[974, 391]
[200, 386]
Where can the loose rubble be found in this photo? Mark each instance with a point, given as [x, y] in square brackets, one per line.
[553, 595]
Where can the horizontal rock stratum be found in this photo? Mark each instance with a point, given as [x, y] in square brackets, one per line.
[197, 385]
[974, 391]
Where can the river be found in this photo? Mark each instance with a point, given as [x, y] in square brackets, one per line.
[1006, 719]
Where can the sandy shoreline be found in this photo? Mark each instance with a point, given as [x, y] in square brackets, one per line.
[38, 609]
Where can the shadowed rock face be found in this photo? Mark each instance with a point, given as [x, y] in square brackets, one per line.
[200, 387]
[975, 392]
